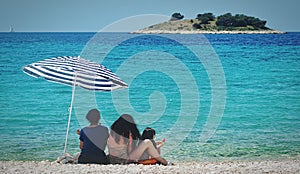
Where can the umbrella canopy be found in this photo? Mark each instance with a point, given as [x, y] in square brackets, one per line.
[75, 71]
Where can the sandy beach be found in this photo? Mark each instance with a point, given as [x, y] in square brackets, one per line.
[282, 166]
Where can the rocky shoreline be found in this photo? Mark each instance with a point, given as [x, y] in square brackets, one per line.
[146, 31]
[280, 166]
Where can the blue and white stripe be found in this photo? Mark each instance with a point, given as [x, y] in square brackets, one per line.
[67, 70]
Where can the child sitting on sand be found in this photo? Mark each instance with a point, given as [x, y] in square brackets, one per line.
[149, 133]
[122, 143]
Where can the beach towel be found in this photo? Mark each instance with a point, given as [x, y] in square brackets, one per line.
[150, 161]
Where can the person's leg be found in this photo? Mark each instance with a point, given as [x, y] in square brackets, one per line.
[146, 145]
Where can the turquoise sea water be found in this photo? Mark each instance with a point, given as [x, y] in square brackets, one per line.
[170, 89]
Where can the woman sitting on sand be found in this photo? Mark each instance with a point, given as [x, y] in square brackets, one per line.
[122, 142]
[119, 143]
[93, 140]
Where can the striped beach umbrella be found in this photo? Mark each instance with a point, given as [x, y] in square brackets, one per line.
[75, 71]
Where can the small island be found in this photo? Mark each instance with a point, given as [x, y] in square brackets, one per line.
[207, 23]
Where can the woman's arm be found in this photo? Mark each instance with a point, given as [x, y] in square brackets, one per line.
[129, 148]
[81, 135]
[81, 145]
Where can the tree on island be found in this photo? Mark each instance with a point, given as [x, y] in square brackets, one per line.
[240, 20]
[229, 22]
[205, 18]
[176, 16]
[197, 26]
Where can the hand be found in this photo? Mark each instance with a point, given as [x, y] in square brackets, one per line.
[130, 138]
[160, 143]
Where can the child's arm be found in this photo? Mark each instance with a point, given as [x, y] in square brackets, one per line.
[159, 144]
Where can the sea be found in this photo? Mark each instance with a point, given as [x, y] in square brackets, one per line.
[213, 97]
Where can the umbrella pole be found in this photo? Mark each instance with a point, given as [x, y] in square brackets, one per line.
[70, 114]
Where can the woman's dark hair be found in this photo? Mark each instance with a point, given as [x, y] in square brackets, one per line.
[148, 133]
[93, 116]
[123, 126]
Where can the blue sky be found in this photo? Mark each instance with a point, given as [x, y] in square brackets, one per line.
[92, 15]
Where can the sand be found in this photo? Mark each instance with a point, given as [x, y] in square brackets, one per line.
[282, 166]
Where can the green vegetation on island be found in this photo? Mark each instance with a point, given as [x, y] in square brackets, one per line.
[208, 23]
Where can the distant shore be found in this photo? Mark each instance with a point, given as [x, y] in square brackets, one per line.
[146, 31]
[281, 166]
[208, 23]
